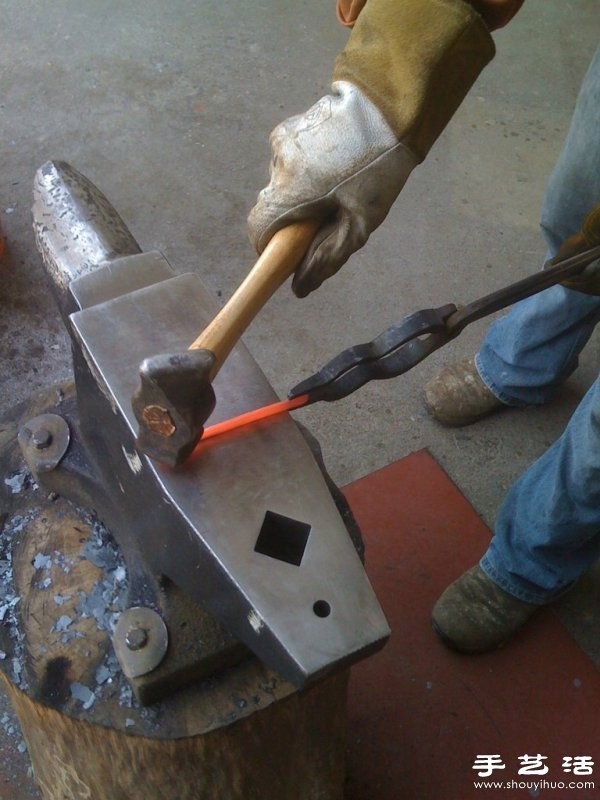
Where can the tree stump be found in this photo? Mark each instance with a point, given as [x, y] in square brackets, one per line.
[242, 734]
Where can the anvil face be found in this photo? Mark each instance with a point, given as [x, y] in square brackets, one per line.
[248, 528]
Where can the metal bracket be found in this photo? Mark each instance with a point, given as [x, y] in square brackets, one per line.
[44, 441]
[140, 641]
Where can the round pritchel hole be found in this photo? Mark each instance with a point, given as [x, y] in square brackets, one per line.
[322, 608]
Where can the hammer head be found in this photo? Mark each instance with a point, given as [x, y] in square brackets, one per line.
[174, 400]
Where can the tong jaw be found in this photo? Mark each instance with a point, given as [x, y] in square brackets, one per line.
[395, 351]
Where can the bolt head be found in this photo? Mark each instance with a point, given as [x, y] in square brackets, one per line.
[41, 438]
[136, 638]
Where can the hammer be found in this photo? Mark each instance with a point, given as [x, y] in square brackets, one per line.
[175, 396]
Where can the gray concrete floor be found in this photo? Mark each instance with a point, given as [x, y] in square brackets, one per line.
[167, 108]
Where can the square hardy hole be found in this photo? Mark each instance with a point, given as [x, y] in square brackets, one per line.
[282, 538]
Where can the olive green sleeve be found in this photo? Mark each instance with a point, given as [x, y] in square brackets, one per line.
[495, 13]
[416, 60]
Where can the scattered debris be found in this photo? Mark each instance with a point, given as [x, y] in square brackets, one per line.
[70, 635]
[42, 561]
[108, 598]
[64, 562]
[17, 523]
[62, 623]
[8, 606]
[101, 549]
[16, 482]
[20, 481]
[126, 696]
[120, 574]
[83, 694]
[11, 638]
[104, 603]
[103, 674]
[17, 671]
[12, 728]
[61, 599]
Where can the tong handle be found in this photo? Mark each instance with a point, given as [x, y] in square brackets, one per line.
[574, 255]
[554, 272]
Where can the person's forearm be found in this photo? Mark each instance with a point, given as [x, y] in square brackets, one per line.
[416, 60]
[495, 13]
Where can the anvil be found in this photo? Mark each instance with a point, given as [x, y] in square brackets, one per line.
[250, 531]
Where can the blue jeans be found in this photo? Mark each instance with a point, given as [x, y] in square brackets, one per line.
[547, 532]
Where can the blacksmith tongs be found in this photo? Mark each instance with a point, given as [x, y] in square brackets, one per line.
[406, 343]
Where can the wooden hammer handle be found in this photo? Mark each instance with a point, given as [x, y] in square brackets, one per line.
[277, 262]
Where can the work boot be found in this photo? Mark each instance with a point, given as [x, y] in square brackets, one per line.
[457, 395]
[475, 615]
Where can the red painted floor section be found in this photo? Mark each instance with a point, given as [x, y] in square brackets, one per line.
[421, 715]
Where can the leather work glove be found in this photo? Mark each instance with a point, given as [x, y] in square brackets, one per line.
[341, 163]
[589, 236]
[405, 70]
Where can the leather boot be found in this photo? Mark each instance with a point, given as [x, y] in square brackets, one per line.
[457, 395]
[475, 615]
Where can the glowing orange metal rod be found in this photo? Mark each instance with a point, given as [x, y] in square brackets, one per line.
[254, 416]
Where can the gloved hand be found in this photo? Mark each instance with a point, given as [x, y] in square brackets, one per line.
[405, 70]
[341, 163]
[587, 281]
